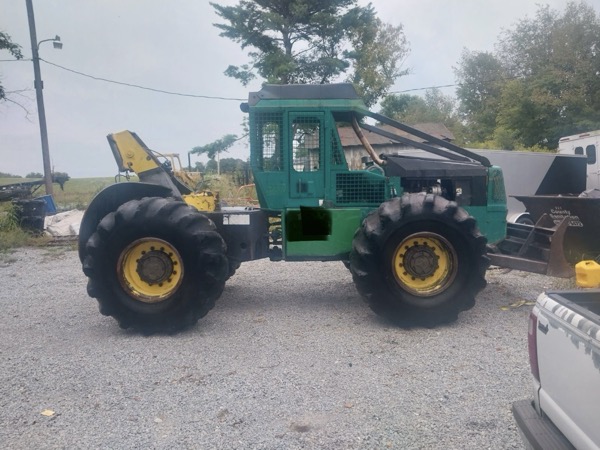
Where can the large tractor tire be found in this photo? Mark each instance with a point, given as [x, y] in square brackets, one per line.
[419, 260]
[155, 265]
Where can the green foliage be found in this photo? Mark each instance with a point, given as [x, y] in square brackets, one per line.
[481, 79]
[231, 165]
[411, 109]
[541, 83]
[211, 166]
[214, 148]
[397, 105]
[11, 235]
[14, 238]
[314, 41]
[63, 175]
[238, 169]
[14, 49]
[231, 191]
[61, 178]
[9, 175]
[6, 43]
[9, 219]
[434, 107]
[378, 51]
[34, 175]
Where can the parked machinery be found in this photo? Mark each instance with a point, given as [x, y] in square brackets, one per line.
[412, 230]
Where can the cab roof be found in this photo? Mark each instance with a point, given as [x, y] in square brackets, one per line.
[307, 95]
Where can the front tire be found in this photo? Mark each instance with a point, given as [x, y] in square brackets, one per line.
[419, 260]
[155, 265]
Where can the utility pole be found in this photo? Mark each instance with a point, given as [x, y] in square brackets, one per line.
[39, 86]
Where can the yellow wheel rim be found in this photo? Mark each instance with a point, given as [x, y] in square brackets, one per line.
[424, 264]
[150, 270]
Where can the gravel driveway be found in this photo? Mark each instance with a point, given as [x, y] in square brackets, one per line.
[289, 358]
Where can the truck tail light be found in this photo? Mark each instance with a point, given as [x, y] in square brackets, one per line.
[532, 345]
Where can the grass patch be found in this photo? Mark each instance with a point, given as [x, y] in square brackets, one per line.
[10, 239]
[79, 192]
[11, 234]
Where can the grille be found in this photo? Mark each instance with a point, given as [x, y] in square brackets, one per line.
[360, 188]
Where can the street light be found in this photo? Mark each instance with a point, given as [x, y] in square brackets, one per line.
[39, 86]
[55, 42]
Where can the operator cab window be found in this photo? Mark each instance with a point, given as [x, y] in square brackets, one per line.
[271, 147]
[306, 148]
[267, 136]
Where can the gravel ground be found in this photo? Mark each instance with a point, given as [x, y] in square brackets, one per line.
[289, 358]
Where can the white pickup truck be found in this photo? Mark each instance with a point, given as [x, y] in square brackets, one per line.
[564, 354]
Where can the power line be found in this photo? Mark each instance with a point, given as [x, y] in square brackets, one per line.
[141, 87]
[93, 77]
[475, 83]
[424, 88]
[181, 94]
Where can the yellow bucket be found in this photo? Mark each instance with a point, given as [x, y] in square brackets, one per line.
[587, 274]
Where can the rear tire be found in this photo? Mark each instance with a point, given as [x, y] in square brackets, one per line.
[419, 260]
[155, 265]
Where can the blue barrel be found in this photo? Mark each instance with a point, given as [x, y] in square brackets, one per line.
[50, 205]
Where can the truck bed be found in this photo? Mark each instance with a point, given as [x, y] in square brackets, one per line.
[568, 350]
[585, 303]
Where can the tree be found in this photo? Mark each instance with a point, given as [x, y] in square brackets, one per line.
[211, 166]
[411, 109]
[404, 108]
[314, 41]
[9, 175]
[200, 167]
[541, 83]
[558, 59]
[238, 169]
[480, 77]
[34, 175]
[14, 49]
[434, 107]
[379, 50]
[214, 149]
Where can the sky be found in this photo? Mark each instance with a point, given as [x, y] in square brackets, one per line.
[173, 46]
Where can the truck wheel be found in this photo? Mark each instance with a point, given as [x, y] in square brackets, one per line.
[419, 260]
[155, 264]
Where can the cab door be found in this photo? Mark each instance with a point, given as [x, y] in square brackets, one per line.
[307, 147]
